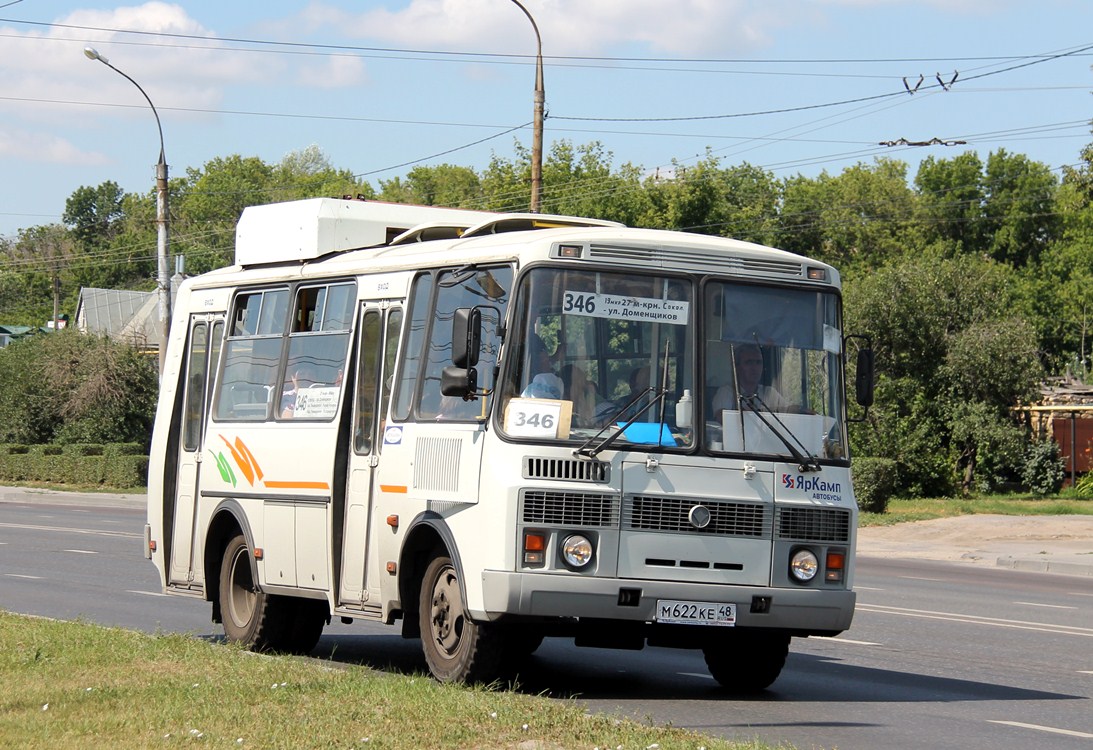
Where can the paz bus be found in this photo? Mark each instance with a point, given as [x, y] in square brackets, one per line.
[495, 428]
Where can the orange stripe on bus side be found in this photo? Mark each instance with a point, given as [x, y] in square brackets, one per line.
[400, 489]
[298, 485]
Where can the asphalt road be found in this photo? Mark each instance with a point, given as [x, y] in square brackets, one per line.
[941, 655]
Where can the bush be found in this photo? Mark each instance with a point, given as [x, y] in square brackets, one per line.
[875, 482]
[69, 387]
[1044, 470]
[118, 465]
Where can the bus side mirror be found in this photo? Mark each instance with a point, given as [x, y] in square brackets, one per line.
[466, 336]
[458, 381]
[864, 377]
[460, 378]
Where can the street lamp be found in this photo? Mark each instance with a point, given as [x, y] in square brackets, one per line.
[537, 124]
[162, 283]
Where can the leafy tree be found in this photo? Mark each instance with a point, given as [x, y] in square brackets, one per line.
[951, 195]
[860, 218]
[952, 358]
[1019, 211]
[308, 173]
[441, 185]
[93, 213]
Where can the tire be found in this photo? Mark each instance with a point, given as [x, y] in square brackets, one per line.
[306, 627]
[252, 617]
[747, 662]
[456, 648]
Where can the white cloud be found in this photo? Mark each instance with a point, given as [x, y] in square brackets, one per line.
[572, 27]
[23, 145]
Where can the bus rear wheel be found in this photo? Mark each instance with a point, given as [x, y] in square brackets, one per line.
[747, 662]
[456, 648]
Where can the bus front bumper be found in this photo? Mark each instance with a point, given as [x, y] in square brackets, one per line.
[803, 610]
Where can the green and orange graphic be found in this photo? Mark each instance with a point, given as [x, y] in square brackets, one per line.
[252, 472]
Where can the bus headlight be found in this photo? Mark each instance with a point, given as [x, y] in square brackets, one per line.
[577, 551]
[804, 565]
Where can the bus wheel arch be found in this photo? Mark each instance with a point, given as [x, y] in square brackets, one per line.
[227, 522]
[427, 538]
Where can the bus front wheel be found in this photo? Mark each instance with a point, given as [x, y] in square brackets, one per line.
[747, 662]
[457, 649]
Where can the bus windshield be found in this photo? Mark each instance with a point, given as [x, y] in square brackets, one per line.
[773, 371]
[592, 351]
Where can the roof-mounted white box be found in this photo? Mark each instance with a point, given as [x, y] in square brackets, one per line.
[309, 229]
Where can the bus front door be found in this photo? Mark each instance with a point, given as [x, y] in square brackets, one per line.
[380, 326]
[203, 349]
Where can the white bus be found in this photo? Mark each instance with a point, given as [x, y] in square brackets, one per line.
[497, 428]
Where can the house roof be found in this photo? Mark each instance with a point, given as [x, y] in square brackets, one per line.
[121, 314]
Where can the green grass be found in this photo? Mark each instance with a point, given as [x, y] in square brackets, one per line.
[924, 509]
[69, 684]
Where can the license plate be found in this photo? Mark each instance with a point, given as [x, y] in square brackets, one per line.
[696, 613]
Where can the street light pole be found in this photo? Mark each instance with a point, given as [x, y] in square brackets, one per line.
[163, 289]
[537, 123]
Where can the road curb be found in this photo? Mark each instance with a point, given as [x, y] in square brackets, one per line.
[100, 499]
[1047, 565]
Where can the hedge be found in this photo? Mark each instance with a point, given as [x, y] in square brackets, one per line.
[118, 465]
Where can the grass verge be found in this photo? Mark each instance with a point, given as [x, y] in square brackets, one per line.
[924, 509]
[70, 684]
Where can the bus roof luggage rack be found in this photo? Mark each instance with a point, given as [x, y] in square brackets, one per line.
[308, 229]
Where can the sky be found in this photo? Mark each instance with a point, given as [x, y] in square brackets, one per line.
[792, 86]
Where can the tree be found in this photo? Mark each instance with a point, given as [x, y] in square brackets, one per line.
[51, 249]
[440, 185]
[862, 217]
[952, 359]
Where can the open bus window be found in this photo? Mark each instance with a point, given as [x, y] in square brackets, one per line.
[590, 350]
[253, 387]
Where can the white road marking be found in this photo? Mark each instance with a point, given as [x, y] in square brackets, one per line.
[81, 551]
[976, 620]
[867, 588]
[1051, 606]
[145, 593]
[16, 575]
[919, 578]
[1053, 730]
[837, 639]
[71, 530]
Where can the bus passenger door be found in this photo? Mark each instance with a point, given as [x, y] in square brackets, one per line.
[380, 327]
[203, 350]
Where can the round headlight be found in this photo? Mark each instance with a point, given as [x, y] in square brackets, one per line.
[804, 565]
[577, 551]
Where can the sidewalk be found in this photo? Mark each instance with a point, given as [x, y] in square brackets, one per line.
[1046, 544]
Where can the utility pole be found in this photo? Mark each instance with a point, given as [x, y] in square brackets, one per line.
[537, 121]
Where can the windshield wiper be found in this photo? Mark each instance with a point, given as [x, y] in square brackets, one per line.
[584, 450]
[805, 460]
[660, 398]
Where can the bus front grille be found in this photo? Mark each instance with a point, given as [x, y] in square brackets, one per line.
[570, 509]
[725, 518]
[813, 524]
[566, 469]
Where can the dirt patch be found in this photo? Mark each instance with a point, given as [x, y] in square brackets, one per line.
[983, 538]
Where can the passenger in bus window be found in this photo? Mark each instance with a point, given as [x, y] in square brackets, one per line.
[542, 382]
[747, 366]
[589, 410]
[301, 377]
